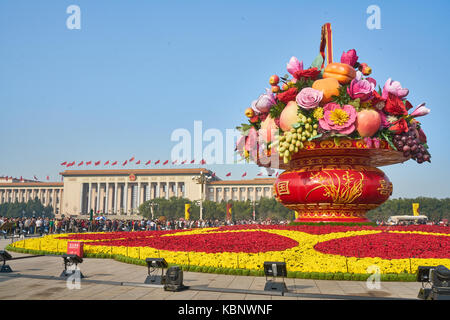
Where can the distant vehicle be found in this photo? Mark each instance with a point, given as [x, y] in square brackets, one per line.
[396, 220]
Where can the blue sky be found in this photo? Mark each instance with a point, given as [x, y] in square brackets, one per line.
[138, 70]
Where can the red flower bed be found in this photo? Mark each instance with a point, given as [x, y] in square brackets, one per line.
[249, 242]
[388, 245]
[324, 229]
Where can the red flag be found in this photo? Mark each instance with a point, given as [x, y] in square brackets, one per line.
[245, 173]
[228, 174]
[97, 163]
[184, 162]
[126, 161]
[192, 161]
[6, 178]
[114, 163]
[148, 162]
[203, 161]
[35, 178]
[173, 162]
[21, 179]
[132, 159]
[64, 163]
[139, 162]
[166, 162]
[69, 164]
[48, 178]
[88, 163]
[81, 163]
[213, 175]
[259, 174]
[107, 162]
[156, 162]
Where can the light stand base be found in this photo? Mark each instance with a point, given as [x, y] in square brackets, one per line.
[275, 286]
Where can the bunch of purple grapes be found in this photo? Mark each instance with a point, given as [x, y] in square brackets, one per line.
[411, 146]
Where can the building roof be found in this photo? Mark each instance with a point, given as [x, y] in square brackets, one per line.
[32, 184]
[268, 181]
[133, 171]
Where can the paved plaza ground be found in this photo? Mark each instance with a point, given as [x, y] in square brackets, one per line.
[38, 279]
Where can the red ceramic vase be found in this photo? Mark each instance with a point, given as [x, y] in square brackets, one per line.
[336, 180]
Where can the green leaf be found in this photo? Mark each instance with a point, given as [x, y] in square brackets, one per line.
[296, 125]
[388, 139]
[318, 61]
[315, 137]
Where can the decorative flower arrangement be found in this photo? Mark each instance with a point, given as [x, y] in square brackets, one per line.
[307, 249]
[336, 101]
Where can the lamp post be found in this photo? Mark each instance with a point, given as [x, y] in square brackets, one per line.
[202, 180]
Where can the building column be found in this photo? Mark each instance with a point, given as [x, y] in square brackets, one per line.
[138, 195]
[125, 202]
[119, 199]
[89, 198]
[116, 202]
[105, 209]
[81, 198]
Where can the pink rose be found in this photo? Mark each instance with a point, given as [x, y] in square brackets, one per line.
[309, 98]
[361, 88]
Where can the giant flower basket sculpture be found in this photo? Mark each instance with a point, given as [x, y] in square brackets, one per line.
[330, 128]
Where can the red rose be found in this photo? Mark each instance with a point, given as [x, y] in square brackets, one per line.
[399, 126]
[288, 95]
[312, 73]
[395, 106]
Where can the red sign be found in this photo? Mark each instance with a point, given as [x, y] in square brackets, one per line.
[75, 248]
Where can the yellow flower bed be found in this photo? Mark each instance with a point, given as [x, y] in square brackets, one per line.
[302, 257]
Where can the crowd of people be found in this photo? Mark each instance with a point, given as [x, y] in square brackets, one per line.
[39, 225]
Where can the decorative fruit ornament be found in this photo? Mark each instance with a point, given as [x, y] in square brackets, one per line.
[368, 121]
[289, 116]
[249, 112]
[268, 129]
[284, 87]
[342, 72]
[329, 87]
[274, 80]
[365, 69]
[275, 89]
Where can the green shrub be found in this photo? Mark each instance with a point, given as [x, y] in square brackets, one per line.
[245, 272]
[322, 276]
[291, 274]
[329, 276]
[306, 275]
[314, 275]
[338, 276]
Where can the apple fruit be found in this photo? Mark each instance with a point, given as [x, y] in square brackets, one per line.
[249, 112]
[274, 80]
[368, 122]
[289, 116]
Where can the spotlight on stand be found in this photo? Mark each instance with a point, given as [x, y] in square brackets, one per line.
[4, 256]
[70, 260]
[153, 264]
[435, 283]
[275, 269]
[174, 279]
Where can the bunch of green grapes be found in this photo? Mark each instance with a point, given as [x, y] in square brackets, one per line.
[292, 141]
